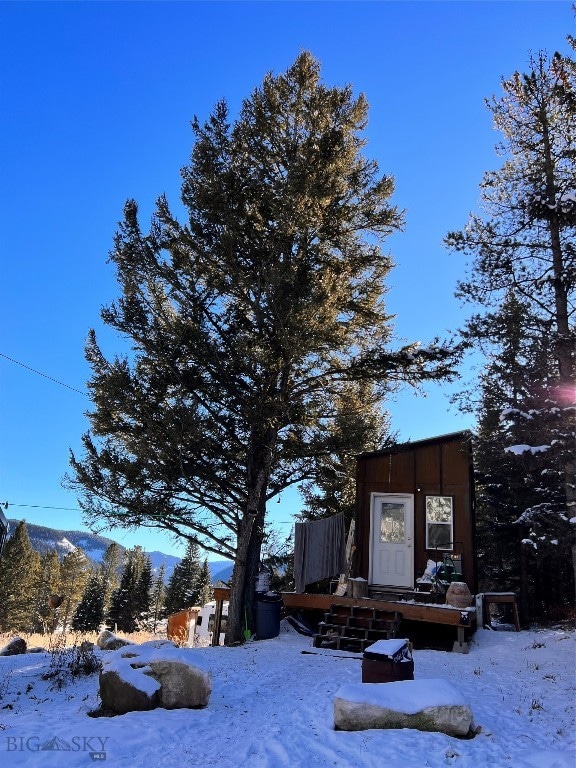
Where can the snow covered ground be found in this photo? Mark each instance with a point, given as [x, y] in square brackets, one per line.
[272, 707]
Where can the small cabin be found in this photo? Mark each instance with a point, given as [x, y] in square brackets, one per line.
[414, 506]
[195, 626]
[414, 515]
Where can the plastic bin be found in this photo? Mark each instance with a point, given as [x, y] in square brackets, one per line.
[268, 607]
[387, 661]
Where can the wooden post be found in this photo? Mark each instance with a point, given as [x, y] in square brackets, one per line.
[220, 594]
[460, 645]
[217, 622]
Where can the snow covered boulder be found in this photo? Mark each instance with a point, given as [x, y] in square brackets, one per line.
[122, 692]
[14, 647]
[108, 641]
[154, 674]
[425, 705]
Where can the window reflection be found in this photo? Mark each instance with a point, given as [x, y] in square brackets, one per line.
[392, 522]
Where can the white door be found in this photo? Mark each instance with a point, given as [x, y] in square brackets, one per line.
[392, 539]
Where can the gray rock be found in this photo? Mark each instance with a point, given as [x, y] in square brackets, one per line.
[181, 685]
[108, 641]
[420, 704]
[14, 647]
[155, 674]
[121, 696]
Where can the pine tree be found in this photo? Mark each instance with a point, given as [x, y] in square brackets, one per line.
[359, 425]
[204, 584]
[125, 605]
[109, 569]
[242, 319]
[19, 566]
[74, 573]
[89, 613]
[523, 247]
[183, 590]
[157, 599]
[143, 594]
[47, 583]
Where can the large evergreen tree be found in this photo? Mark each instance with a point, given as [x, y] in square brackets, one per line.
[89, 613]
[523, 253]
[184, 585]
[19, 567]
[143, 593]
[74, 573]
[359, 425]
[244, 321]
[204, 584]
[126, 604]
[524, 543]
[110, 570]
[157, 597]
[47, 583]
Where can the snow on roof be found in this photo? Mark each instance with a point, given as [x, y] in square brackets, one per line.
[406, 696]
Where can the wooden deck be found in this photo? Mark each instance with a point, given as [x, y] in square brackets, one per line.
[462, 619]
[412, 611]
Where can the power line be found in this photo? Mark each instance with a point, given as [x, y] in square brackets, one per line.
[7, 504]
[28, 368]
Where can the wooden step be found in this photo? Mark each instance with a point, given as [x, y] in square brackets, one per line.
[354, 628]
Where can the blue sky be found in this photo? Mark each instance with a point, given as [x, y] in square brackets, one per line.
[96, 101]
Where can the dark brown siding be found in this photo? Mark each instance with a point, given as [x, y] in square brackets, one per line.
[439, 466]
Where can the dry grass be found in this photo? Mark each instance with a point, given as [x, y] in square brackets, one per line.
[70, 639]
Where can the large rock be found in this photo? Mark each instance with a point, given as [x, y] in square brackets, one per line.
[108, 641]
[425, 705]
[123, 695]
[155, 674]
[14, 647]
[181, 685]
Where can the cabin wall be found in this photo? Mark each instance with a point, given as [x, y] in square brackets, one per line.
[442, 468]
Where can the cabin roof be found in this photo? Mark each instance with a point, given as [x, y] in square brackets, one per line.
[463, 435]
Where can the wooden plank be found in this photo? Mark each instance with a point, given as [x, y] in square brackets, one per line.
[222, 593]
[435, 614]
[217, 621]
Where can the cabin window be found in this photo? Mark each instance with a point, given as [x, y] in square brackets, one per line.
[439, 522]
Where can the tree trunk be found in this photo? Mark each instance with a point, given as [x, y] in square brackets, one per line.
[252, 563]
[241, 607]
[524, 588]
[250, 536]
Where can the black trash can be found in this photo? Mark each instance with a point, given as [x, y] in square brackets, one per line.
[268, 607]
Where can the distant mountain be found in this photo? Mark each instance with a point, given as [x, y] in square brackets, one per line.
[221, 571]
[168, 561]
[94, 546]
[44, 539]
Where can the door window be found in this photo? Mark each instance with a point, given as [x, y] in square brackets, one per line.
[392, 522]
